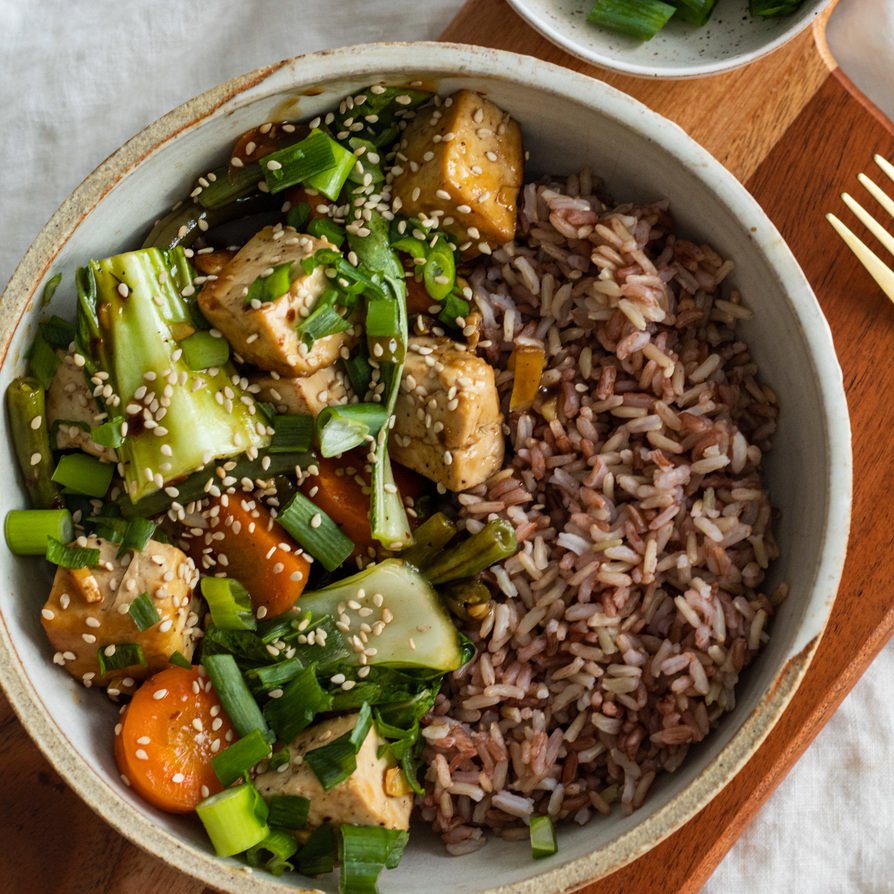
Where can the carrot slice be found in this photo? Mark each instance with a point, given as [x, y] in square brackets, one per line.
[252, 545]
[166, 739]
[341, 490]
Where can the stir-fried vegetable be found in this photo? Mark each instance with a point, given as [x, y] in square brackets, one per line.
[156, 746]
[249, 395]
[132, 317]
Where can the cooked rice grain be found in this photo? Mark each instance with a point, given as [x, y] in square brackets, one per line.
[618, 632]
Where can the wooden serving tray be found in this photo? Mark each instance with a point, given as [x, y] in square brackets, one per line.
[795, 132]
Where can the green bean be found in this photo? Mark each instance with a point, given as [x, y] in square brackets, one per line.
[188, 221]
[429, 539]
[26, 403]
[467, 599]
[494, 542]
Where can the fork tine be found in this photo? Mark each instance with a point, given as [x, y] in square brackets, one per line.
[885, 165]
[877, 193]
[872, 224]
[877, 269]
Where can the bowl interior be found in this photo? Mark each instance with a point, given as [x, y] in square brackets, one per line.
[569, 122]
[730, 38]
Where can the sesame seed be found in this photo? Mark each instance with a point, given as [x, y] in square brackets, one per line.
[159, 694]
[177, 778]
[141, 755]
[35, 459]
[48, 614]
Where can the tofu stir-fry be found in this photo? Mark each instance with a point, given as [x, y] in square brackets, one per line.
[243, 449]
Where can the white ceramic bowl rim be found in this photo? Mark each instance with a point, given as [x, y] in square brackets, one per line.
[438, 59]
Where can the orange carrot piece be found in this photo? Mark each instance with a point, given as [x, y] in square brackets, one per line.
[341, 490]
[258, 553]
[164, 742]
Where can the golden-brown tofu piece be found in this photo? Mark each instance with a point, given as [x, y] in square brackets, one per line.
[265, 335]
[88, 610]
[362, 799]
[465, 160]
[448, 425]
[72, 410]
[306, 395]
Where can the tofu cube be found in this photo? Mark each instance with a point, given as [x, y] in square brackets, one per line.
[361, 799]
[466, 161]
[306, 395]
[87, 610]
[265, 335]
[448, 425]
[72, 410]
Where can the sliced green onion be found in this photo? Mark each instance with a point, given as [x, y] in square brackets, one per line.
[27, 530]
[144, 612]
[359, 372]
[324, 228]
[298, 215]
[323, 320]
[272, 286]
[493, 543]
[272, 854]
[108, 527]
[57, 332]
[49, 289]
[694, 12]
[335, 761]
[109, 434]
[273, 676]
[320, 852]
[235, 819]
[299, 162]
[288, 811]
[292, 434]
[543, 837]
[118, 656]
[234, 695]
[383, 331]
[178, 659]
[332, 179]
[641, 19]
[43, 361]
[774, 7]
[202, 350]
[83, 474]
[439, 272]
[137, 534]
[229, 603]
[296, 708]
[238, 759]
[71, 556]
[415, 248]
[316, 532]
[365, 851]
[343, 427]
[229, 185]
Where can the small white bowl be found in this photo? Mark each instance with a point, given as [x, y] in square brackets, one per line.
[569, 121]
[730, 39]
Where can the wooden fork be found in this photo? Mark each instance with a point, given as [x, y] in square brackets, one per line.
[878, 269]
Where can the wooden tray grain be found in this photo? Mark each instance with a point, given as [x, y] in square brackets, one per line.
[793, 131]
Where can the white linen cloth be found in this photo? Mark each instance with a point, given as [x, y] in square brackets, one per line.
[78, 79]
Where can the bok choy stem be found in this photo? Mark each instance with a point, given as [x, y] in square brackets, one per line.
[178, 419]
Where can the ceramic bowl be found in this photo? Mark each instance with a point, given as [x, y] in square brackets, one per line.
[569, 121]
[730, 39]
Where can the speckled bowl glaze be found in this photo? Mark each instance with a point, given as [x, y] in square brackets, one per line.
[730, 39]
[568, 121]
